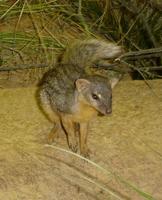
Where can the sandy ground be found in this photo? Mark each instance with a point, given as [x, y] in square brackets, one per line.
[128, 144]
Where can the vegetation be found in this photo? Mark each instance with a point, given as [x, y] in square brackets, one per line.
[34, 32]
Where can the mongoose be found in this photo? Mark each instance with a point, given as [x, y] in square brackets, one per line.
[72, 97]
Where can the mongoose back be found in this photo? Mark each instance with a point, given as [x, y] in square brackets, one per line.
[71, 97]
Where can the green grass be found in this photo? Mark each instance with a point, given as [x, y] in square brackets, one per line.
[133, 26]
[107, 173]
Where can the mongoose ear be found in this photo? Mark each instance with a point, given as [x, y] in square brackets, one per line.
[82, 84]
[113, 82]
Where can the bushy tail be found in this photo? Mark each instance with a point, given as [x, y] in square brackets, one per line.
[87, 52]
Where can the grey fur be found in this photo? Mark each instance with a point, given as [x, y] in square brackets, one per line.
[58, 85]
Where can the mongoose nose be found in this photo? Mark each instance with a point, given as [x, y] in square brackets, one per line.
[108, 111]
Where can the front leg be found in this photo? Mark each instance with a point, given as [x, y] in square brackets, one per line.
[83, 139]
[69, 127]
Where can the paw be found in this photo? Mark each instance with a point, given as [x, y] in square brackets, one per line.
[52, 137]
[73, 146]
[50, 140]
[85, 153]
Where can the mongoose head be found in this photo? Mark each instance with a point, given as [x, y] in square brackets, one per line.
[95, 91]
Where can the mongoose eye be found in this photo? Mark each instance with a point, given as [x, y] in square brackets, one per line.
[94, 96]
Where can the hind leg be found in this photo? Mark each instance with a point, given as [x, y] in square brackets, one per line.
[52, 116]
[45, 106]
[54, 133]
